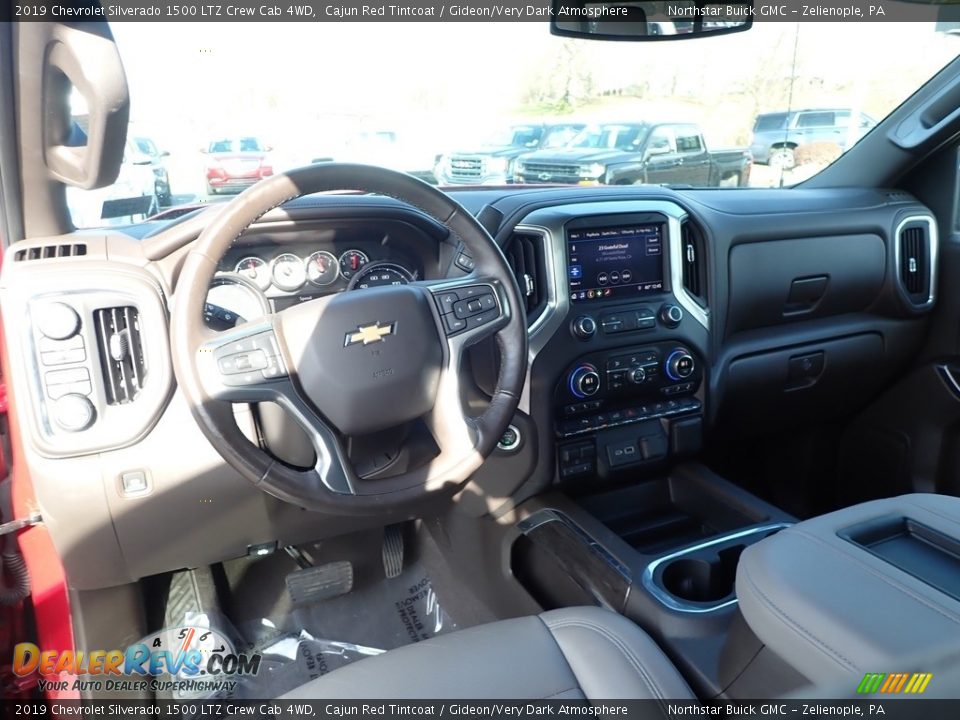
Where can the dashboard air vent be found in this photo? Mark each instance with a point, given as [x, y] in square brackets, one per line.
[121, 352]
[694, 256]
[525, 253]
[914, 247]
[46, 252]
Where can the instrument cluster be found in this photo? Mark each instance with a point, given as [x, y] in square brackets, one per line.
[290, 272]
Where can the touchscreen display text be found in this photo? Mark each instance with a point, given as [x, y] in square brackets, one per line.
[615, 262]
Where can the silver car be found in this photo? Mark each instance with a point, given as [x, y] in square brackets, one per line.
[777, 135]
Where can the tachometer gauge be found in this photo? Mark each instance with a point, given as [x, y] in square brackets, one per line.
[255, 269]
[350, 263]
[322, 268]
[288, 272]
[379, 274]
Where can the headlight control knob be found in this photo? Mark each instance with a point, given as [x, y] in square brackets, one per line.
[680, 365]
[57, 321]
[584, 381]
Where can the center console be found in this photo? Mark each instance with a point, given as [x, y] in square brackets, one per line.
[864, 588]
[627, 396]
[620, 360]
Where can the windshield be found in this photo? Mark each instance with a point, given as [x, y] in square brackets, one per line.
[769, 107]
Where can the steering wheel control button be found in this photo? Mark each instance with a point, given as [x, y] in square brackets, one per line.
[679, 365]
[453, 324]
[584, 381]
[476, 321]
[73, 412]
[510, 440]
[467, 308]
[465, 262]
[446, 301]
[57, 321]
[242, 362]
[250, 361]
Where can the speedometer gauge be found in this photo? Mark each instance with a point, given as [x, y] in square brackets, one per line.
[350, 263]
[379, 274]
[255, 269]
[322, 268]
[288, 272]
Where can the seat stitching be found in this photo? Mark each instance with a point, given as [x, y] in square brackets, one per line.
[561, 692]
[892, 582]
[796, 626]
[651, 684]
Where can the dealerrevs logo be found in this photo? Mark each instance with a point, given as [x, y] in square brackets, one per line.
[191, 655]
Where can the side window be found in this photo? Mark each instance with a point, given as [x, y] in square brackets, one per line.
[662, 141]
[815, 119]
[688, 141]
[842, 119]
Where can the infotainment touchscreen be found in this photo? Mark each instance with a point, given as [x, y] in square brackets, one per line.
[615, 261]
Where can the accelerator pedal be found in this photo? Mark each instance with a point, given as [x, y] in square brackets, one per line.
[315, 584]
[393, 550]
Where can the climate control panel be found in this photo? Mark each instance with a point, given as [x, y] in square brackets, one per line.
[621, 410]
[622, 376]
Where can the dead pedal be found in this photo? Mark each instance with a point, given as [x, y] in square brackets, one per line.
[315, 584]
[393, 550]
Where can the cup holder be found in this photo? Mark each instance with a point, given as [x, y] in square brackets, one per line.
[703, 579]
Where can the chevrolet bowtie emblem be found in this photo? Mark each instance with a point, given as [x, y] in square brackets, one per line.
[367, 334]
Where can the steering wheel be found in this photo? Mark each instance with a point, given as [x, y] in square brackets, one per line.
[354, 363]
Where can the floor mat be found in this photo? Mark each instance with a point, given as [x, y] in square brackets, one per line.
[312, 640]
[301, 642]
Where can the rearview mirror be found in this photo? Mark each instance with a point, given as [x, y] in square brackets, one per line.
[641, 20]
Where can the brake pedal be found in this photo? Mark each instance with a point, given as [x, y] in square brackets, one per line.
[315, 584]
[393, 550]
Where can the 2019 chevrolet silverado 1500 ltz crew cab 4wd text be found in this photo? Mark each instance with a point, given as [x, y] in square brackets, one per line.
[615, 433]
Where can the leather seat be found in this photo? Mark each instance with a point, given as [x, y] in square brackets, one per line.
[573, 653]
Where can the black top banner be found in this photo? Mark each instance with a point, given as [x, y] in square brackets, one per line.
[433, 11]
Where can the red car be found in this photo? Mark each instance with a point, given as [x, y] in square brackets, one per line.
[236, 163]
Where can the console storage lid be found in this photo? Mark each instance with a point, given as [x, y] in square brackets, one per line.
[857, 590]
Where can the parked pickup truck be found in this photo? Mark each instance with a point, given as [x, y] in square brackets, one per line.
[633, 153]
[491, 163]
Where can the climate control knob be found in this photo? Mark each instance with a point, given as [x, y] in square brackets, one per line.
[584, 327]
[680, 365]
[637, 375]
[584, 381]
[670, 315]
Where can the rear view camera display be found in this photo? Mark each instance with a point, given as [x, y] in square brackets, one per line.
[615, 262]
